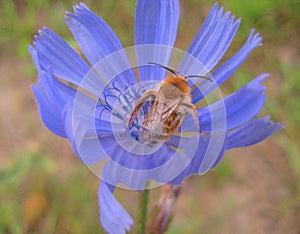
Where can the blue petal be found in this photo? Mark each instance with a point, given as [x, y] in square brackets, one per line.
[68, 121]
[155, 24]
[48, 82]
[83, 129]
[50, 104]
[83, 137]
[240, 106]
[53, 52]
[194, 165]
[211, 42]
[65, 92]
[252, 132]
[95, 38]
[103, 127]
[113, 217]
[210, 151]
[33, 53]
[227, 68]
[97, 41]
[135, 170]
[137, 162]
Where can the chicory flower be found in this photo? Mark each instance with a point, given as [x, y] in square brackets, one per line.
[90, 100]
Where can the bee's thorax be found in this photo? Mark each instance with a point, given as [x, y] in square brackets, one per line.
[175, 86]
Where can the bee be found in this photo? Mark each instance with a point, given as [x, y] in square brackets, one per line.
[166, 108]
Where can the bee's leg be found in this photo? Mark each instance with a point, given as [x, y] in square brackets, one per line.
[193, 109]
[150, 94]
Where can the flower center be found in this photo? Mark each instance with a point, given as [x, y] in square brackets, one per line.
[143, 124]
[130, 114]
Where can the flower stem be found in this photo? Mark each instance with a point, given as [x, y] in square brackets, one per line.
[142, 211]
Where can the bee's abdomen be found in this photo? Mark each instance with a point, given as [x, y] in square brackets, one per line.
[173, 122]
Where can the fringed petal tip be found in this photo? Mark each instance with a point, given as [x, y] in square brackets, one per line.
[113, 217]
[257, 82]
[240, 107]
[52, 51]
[94, 36]
[76, 10]
[215, 6]
[77, 7]
[262, 77]
[221, 11]
[212, 40]
[80, 6]
[252, 132]
[256, 38]
[276, 125]
[41, 33]
[237, 22]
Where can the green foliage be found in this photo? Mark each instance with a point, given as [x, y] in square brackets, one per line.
[240, 78]
[14, 185]
[267, 16]
[36, 198]
[294, 159]
[223, 172]
[291, 96]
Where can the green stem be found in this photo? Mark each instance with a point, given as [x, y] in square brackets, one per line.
[142, 211]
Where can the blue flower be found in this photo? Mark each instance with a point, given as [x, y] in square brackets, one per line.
[92, 101]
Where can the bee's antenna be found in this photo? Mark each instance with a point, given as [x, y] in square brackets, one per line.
[169, 69]
[203, 77]
[175, 73]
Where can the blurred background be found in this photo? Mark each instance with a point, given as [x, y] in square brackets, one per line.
[44, 187]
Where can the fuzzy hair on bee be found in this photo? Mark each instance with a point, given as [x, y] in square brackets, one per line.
[168, 105]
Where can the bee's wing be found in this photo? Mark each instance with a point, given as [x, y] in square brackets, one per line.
[149, 95]
[162, 109]
[156, 110]
[171, 106]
